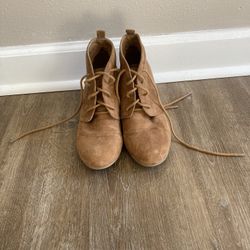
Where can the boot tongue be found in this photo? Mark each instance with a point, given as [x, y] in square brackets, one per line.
[99, 97]
[135, 68]
[138, 67]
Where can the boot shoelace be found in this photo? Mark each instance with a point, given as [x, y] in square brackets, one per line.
[99, 90]
[99, 103]
[134, 90]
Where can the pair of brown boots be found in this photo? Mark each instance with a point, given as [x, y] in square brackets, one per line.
[120, 106]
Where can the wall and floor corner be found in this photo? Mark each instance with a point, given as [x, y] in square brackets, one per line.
[43, 43]
[176, 57]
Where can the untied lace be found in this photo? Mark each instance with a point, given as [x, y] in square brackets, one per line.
[165, 107]
[86, 79]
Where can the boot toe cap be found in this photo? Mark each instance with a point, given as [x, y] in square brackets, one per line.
[148, 149]
[101, 154]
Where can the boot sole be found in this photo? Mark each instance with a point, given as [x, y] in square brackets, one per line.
[143, 164]
[104, 167]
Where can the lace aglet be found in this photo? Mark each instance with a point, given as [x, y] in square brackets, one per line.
[229, 154]
[240, 155]
[171, 107]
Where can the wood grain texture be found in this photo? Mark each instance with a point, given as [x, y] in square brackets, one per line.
[50, 200]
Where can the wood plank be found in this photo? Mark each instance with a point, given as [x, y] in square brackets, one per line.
[50, 200]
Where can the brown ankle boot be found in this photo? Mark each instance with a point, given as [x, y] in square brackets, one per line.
[99, 139]
[146, 131]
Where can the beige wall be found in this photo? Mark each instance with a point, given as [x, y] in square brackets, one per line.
[42, 21]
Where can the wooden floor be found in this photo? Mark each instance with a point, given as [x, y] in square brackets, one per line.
[50, 200]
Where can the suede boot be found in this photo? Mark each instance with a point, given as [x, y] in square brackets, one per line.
[99, 138]
[146, 130]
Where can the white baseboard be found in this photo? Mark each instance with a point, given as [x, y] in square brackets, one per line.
[173, 57]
